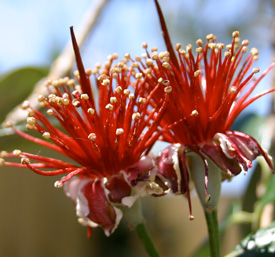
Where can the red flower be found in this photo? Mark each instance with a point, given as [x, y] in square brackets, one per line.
[209, 90]
[107, 137]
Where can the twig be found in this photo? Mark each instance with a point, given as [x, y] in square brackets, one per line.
[63, 65]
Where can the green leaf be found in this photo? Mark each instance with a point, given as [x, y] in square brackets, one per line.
[16, 85]
[261, 243]
[251, 124]
[269, 195]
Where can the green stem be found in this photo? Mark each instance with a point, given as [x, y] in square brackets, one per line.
[146, 240]
[213, 232]
[135, 221]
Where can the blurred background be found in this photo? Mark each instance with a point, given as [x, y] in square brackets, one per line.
[37, 219]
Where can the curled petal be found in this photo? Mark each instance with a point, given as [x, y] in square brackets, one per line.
[234, 151]
[92, 205]
[118, 188]
[169, 167]
[141, 171]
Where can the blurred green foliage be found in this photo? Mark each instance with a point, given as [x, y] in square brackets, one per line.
[16, 85]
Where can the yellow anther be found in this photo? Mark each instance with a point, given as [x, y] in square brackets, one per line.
[76, 73]
[197, 73]
[227, 54]
[127, 56]
[191, 217]
[119, 131]
[168, 90]
[71, 82]
[76, 103]
[131, 96]
[254, 51]
[126, 91]
[16, 152]
[138, 75]
[105, 82]
[29, 126]
[2, 162]
[199, 42]
[166, 65]
[136, 116]
[199, 49]
[229, 46]
[207, 198]
[144, 45]
[235, 33]
[142, 100]
[58, 184]
[160, 80]
[256, 70]
[25, 160]
[182, 52]
[25, 105]
[188, 48]
[109, 107]
[3, 154]
[91, 111]
[149, 62]
[138, 59]
[92, 136]
[65, 101]
[46, 135]
[210, 36]
[84, 97]
[118, 89]
[40, 98]
[154, 55]
[194, 113]
[245, 42]
[178, 46]
[31, 120]
[244, 49]
[233, 89]
[144, 55]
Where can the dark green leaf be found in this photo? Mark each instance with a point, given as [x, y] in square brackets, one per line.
[16, 86]
[261, 243]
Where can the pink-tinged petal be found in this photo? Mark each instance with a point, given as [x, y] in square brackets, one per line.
[249, 146]
[92, 205]
[101, 211]
[72, 187]
[169, 167]
[216, 154]
[234, 151]
[118, 188]
[172, 172]
[141, 171]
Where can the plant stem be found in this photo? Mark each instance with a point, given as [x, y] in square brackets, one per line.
[213, 232]
[146, 240]
[136, 222]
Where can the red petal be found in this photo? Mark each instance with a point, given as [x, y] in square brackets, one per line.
[118, 188]
[101, 211]
[215, 153]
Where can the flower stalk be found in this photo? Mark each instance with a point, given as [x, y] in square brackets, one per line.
[213, 232]
[136, 222]
[146, 240]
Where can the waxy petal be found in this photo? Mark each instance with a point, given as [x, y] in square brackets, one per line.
[92, 206]
[234, 151]
[169, 167]
[118, 188]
